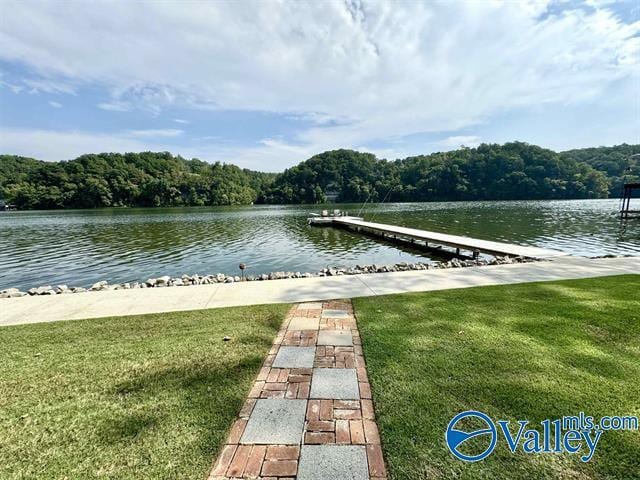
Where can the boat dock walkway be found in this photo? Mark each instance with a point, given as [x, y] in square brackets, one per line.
[455, 241]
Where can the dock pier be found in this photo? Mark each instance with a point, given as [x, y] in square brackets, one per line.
[625, 203]
[463, 246]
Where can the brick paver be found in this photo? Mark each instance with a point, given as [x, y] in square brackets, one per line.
[339, 437]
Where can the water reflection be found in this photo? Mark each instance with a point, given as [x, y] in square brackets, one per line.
[81, 247]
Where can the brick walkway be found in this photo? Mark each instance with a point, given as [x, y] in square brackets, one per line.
[309, 414]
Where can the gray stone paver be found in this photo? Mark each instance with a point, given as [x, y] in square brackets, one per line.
[335, 383]
[335, 462]
[335, 314]
[294, 357]
[275, 421]
[310, 306]
[304, 323]
[340, 338]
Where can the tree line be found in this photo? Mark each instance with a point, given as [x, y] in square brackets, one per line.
[511, 171]
[145, 179]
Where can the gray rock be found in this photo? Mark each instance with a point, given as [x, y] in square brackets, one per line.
[45, 290]
[98, 285]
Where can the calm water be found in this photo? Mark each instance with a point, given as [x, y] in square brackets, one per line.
[81, 247]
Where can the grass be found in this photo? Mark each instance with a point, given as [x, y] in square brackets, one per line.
[148, 396]
[529, 351]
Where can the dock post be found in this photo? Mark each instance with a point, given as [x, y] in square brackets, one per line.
[625, 207]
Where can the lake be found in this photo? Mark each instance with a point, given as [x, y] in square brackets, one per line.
[80, 247]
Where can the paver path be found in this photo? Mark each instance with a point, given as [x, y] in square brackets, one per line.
[309, 414]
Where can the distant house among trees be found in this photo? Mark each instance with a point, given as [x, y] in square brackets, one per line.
[331, 192]
[4, 206]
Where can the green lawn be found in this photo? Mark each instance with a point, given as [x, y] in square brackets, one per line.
[529, 351]
[135, 397]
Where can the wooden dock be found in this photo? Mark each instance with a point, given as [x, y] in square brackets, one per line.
[459, 243]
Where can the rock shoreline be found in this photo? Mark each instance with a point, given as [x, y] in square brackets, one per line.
[187, 280]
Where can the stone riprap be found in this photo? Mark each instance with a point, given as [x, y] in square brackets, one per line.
[312, 423]
[186, 280]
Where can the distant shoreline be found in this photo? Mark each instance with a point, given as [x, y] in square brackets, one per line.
[313, 206]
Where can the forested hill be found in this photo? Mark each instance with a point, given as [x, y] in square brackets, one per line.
[510, 171]
[132, 179]
[614, 162]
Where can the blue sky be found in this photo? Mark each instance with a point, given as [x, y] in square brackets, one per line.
[268, 84]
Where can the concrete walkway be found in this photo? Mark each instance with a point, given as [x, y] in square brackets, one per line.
[309, 414]
[14, 311]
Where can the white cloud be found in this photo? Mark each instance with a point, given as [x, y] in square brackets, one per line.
[167, 132]
[114, 106]
[14, 88]
[52, 145]
[56, 145]
[600, 3]
[355, 72]
[457, 141]
[55, 104]
[47, 85]
[181, 120]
